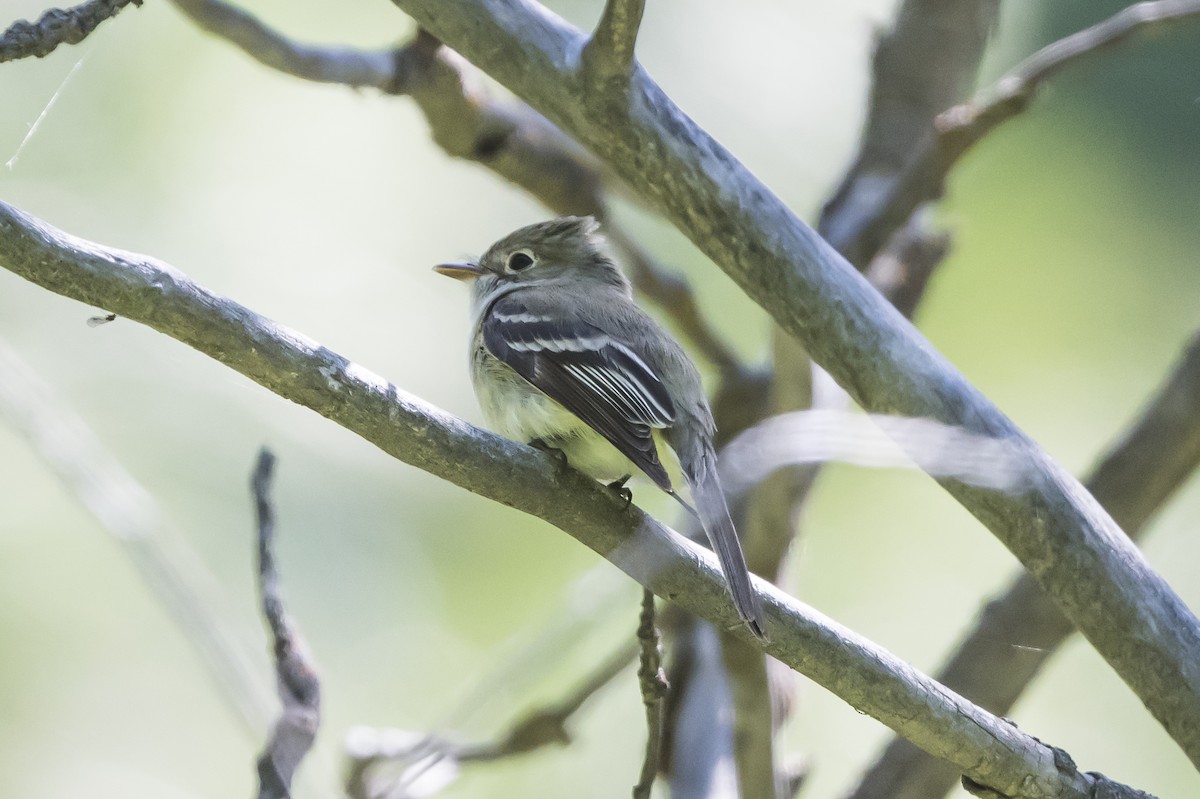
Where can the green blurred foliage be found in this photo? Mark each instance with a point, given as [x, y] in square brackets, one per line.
[1070, 289]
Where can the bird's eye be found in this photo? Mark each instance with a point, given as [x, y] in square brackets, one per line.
[519, 260]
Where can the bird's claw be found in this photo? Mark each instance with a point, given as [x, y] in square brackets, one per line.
[554, 452]
[623, 491]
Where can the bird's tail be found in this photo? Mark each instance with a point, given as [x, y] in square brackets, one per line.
[714, 517]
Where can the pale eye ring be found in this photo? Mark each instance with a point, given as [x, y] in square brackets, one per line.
[519, 260]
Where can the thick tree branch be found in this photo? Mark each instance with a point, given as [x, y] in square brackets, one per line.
[57, 26]
[1057, 530]
[299, 687]
[989, 750]
[923, 64]
[1019, 631]
[965, 125]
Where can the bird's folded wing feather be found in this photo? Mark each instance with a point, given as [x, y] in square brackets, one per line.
[597, 378]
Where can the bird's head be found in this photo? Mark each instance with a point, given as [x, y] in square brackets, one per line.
[568, 251]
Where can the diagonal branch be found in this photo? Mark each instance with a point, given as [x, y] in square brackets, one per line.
[880, 205]
[609, 53]
[422, 756]
[343, 65]
[1020, 630]
[989, 750]
[1056, 529]
[57, 26]
[927, 61]
[964, 125]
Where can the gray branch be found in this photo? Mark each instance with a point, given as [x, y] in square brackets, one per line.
[311, 62]
[1057, 530]
[926, 62]
[421, 755]
[1020, 630]
[299, 689]
[965, 125]
[988, 750]
[57, 26]
[653, 683]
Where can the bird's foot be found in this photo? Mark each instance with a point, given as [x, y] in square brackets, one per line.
[623, 491]
[554, 452]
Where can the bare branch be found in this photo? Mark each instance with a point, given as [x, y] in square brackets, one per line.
[925, 63]
[609, 53]
[1020, 630]
[57, 26]
[316, 63]
[507, 137]
[1101, 581]
[989, 750]
[653, 683]
[299, 687]
[421, 755]
[964, 125]
[878, 205]
[171, 571]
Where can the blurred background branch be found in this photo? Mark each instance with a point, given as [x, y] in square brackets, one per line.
[57, 26]
[299, 687]
[434, 758]
[174, 575]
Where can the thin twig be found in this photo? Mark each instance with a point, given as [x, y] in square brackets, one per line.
[609, 53]
[653, 683]
[344, 65]
[368, 750]
[964, 125]
[883, 204]
[169, 568]
[57, 26]
[299, 687]
[1020, 630]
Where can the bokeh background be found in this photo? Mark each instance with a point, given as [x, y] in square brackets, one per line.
[1071, 288]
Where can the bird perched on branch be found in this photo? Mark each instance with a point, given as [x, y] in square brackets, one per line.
[563, 358]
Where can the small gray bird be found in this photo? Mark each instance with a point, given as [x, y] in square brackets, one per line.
[561, 357]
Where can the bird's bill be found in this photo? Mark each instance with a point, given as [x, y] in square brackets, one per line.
[459, 271]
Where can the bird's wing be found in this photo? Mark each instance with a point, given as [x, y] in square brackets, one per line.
[597, 378]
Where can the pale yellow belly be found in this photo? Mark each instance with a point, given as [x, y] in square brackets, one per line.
[515, 409]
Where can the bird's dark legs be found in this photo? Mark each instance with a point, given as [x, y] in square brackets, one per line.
[554, 452]
[623, 491]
